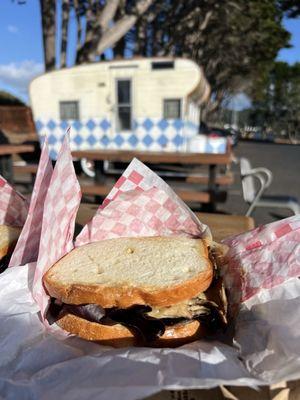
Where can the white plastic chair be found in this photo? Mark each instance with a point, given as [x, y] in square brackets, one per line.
[255, 197]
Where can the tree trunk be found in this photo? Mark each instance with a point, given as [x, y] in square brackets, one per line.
[213, 106]
[158, 39]
[140, 43]
[48, 13]
[64, 33]
[92, 32]
[119, 49]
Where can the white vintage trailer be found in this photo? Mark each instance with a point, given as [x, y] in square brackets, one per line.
[141, 103]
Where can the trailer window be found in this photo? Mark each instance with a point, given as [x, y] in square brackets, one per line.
[68, 110]
[124, 105]
[172, 109]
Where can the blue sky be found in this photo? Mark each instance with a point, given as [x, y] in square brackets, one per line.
[21, 52]
[292, 55]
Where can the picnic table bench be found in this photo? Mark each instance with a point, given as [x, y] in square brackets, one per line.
[6, 153]
[193, 193]
[221, 179]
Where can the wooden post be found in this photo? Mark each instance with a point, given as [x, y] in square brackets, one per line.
[99, 177]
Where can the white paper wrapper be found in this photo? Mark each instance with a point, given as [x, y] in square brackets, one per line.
[262, 270]
[37, 365]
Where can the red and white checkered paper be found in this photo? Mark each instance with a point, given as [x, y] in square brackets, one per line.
[263, 258]
[27, 247]
[141, 204]
[13, 206]
[58, 224]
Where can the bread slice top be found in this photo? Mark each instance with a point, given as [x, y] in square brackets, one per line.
[158, 271]
[8, 238]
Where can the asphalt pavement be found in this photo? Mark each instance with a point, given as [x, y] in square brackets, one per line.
[284, 162]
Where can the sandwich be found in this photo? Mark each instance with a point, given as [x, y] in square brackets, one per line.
[147, 291]
[8, 238]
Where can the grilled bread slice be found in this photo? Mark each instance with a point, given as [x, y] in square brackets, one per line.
[157, 271]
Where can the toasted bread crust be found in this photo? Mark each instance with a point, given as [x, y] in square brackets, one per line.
[120, 336]
[126, 296]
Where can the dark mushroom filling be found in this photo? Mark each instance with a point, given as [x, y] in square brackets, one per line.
[136, 318]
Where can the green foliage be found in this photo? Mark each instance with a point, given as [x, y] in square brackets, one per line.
[277, 102]
[234, 41]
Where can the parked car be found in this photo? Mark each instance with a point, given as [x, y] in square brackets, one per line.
[214, 132]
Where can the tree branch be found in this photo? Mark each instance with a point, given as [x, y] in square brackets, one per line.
[206, 20]
[108, 13]
[121, 27]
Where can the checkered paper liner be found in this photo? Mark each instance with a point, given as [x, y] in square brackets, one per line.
[27, 247]
[141, 204]
[58, 221]
[263, 258]
[13, 206]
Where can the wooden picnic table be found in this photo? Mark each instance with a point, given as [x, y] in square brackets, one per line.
[212, 161]
[221, 225]
[6, 153]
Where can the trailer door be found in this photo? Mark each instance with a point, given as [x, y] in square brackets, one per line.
[122, 89]
[123, 115]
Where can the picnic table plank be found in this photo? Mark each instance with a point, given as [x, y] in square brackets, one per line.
[222, 180]
[9, 149]
[156, 157]
[221, 225]
[25, 168]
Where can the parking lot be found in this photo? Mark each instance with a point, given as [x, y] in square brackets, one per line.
[284, 162]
